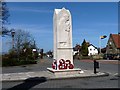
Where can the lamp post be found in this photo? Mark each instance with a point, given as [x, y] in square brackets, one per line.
[100, 44]
[101, 37]
[34, 50]
[13, 34]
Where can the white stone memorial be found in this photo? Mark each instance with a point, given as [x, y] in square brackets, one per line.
[63, 57]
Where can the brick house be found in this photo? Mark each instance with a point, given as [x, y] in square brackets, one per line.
[113, 44]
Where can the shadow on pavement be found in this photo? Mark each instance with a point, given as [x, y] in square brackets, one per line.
[29, 83]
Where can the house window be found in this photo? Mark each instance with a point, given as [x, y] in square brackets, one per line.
[90, 54]
[110, 43]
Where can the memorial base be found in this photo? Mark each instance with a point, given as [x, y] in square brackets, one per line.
[65, 72]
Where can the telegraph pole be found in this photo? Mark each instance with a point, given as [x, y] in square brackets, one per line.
[13, 34]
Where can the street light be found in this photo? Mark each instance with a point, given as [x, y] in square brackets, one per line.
[34, 50]
[13, 34]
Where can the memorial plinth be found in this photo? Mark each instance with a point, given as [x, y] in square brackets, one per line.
[65, 72]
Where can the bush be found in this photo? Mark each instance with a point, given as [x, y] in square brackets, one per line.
[23, 62]
[80, 57]
[97, 57]
[12, 60]
[86, 57]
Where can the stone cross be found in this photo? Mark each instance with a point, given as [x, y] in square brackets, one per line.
[62, 25]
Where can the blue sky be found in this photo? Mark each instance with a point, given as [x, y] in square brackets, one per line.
[90, 20]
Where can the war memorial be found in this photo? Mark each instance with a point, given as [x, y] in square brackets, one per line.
[63, 58]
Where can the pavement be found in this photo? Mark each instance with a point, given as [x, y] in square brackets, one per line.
[48, 75]
[18, 73]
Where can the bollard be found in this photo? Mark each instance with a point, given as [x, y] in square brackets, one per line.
[96, 65]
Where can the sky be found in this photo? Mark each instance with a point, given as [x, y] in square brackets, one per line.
[90, 20]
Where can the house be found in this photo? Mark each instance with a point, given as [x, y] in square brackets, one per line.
[76, 49]
[92, 50]
[113, 44]
[103, 50]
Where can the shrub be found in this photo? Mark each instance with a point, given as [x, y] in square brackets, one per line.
[12, 60]
[86, 57]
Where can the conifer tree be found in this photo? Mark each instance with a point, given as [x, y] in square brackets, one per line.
[84, 48]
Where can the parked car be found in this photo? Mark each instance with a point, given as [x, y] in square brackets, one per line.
[111, 56]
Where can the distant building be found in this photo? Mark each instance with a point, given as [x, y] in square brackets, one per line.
[76, 49]
[92, 50]
[113, 44]
[103, 50]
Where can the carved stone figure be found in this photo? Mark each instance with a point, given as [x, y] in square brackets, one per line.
[64, 24]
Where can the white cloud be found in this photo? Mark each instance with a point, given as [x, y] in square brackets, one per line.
[39, 30]
[30, 9]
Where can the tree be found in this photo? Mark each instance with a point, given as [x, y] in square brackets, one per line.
[4, 15]
[24, 43]
[84, 48]
[41, 53]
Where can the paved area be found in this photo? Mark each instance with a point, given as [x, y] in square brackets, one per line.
[48, 75]
[39, 70]
[17, 77]
[44, 63]
[41, 65]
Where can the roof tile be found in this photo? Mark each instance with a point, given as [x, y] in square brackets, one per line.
[116, 39]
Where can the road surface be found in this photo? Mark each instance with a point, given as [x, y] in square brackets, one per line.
[110, 81]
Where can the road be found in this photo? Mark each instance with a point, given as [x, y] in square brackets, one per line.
[110, 81]
[99, 82]
[43, 64]
[40, 66]
[105, 66]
